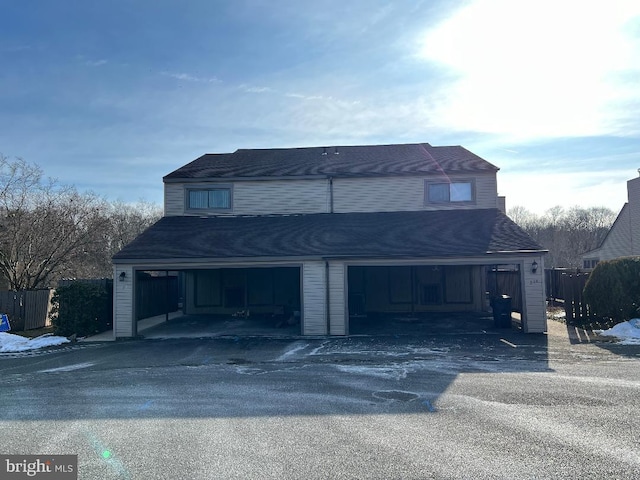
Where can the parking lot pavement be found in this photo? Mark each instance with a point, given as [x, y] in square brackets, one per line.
[502, 405]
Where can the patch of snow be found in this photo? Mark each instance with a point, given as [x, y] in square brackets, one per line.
[628, 333]
[558, 315]
[68, 368]
[296, 347]
[249, 370]
[397, 372]
[16, 343]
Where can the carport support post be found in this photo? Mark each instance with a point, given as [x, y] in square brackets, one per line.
[328, 298]
[166, 297]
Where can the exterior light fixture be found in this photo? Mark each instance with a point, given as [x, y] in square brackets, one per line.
[534, 267]
[122, 276]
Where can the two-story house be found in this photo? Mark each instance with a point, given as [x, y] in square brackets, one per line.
[623, 238]
[335, 233]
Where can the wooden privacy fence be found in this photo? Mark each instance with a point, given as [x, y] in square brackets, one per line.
[554, 283]
[27, 309]
[156, 295]
[575, 307]
[506, 282]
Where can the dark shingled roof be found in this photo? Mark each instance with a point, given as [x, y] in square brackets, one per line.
[441, 233]
[365, 160]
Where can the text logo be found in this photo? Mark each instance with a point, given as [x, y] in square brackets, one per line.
[49, 467]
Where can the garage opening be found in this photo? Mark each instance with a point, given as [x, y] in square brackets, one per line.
[239, 301]
[419, 298]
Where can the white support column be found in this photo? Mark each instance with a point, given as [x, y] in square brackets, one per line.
[534, 296]
[123, 299]
[314, 299]
[337, 299]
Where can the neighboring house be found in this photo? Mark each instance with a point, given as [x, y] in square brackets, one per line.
[623, 238]
[335, 233]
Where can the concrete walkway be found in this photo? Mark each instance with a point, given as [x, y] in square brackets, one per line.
[143, 325]
[200, 326]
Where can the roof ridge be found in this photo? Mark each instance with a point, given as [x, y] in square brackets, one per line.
[332, 145]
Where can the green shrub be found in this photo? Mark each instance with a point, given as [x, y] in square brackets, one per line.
[82, 309]
[613, 290]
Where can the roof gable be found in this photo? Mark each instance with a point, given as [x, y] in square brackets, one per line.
[363, 160]
[617, 223]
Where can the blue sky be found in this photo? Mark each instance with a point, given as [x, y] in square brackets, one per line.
[111, 96]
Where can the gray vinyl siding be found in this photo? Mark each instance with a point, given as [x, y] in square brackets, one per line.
[269, 197]
[633, 192]
[369, 194]
[388, 194]
[123, 314]
[623, 239]
[535, 309]
[618, 241]
[173, 199]
[337, 302]
[314, 300]
[277, 197]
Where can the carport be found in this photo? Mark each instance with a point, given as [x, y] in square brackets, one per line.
[338, 270]
[403, 299]
[221, 300]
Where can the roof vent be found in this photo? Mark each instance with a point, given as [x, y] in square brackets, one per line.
[324, 150]
[336, 152]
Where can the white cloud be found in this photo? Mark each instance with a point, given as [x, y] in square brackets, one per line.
[190, 78]
[249, 89]
[307, 97]
[95, 63]
[541, 68]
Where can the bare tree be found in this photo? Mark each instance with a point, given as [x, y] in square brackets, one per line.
[127, 221]
[50, 231]
[44, 226]
[124, 222]
[567, 234]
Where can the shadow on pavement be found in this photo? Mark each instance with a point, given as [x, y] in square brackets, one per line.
[577, 335]
[241, 376]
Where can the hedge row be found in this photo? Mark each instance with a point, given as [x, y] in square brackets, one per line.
[81, 309]
[613, 290]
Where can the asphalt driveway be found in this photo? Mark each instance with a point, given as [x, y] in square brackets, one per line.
[492, 405]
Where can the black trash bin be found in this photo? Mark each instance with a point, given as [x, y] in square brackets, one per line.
[502, 311]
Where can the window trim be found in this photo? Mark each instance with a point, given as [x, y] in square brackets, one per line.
[208, 187]
[470, 181]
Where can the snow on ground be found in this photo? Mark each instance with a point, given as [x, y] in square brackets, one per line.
[68, 368]
[16, 343]
[628, 333]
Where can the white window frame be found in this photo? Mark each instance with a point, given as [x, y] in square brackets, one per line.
[208, 188]
[448, 201]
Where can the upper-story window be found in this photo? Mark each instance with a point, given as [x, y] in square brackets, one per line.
[450, 192]
[214, 198]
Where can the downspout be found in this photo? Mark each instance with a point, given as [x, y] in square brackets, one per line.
[330, 194]
[328, 299]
